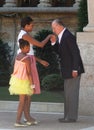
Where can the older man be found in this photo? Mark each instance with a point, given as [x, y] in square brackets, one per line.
[71, 69]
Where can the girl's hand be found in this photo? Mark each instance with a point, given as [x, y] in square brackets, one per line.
[44, 63]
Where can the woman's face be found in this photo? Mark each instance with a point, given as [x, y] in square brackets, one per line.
[29, 27]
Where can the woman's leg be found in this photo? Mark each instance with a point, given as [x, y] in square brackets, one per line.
[20, 107]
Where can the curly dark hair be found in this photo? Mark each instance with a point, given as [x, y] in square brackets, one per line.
[26, 20]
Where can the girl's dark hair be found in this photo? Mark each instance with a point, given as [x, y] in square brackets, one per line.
[26, 20]
[23, 43]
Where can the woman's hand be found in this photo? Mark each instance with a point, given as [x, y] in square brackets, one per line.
[53, 38]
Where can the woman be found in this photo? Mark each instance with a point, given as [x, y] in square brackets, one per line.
[26, 28]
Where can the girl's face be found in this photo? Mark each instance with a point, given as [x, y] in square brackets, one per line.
[26, 49]
[29, 27]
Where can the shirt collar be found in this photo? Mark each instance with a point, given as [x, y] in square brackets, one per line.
[61, 34]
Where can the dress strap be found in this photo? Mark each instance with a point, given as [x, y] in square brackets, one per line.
[24, 58]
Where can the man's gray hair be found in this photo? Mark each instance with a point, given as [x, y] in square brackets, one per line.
[58, 21]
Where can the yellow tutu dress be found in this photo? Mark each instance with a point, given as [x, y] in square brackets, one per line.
[19, 82]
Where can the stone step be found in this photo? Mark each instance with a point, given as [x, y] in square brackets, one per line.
[90, 128]
[35, 106]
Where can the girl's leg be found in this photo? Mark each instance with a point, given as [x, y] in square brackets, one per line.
[27, 109]
[20, 107]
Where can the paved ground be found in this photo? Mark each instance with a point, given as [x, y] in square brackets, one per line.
[48, 121]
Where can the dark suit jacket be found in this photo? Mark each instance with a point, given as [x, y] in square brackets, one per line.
[69, 54]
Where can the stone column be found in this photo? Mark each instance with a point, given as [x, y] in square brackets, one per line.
[85, 41]
[45, 3]
[10, 3]
[76, 5]
[90, 26]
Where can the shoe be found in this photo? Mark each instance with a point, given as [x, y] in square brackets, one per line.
[24, 120]
[32, 123]
[62, 120]
[20, 125]
[72, 120]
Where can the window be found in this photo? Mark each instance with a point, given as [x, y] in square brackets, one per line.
[2, 2]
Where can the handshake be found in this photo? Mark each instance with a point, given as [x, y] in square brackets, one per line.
[53, 38]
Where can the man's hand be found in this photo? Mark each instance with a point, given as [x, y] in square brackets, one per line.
[74, 74]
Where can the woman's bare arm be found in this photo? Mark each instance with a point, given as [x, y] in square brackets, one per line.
[35, 42]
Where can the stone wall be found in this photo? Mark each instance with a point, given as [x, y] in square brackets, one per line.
[85, 41]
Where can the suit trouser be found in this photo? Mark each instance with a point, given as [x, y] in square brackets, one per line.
[71, 97]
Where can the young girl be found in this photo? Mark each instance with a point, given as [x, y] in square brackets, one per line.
[21, 83]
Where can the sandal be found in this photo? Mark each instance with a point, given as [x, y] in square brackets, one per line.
[20, 125]
[32, 122]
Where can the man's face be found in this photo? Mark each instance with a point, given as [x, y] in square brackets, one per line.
[56, 28]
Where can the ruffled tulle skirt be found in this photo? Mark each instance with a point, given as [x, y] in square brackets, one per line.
[18, 86]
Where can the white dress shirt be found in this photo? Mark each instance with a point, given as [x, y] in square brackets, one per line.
[61, 34]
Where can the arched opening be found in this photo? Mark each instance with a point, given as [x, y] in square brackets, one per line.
[55, 3]
[63, 3]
